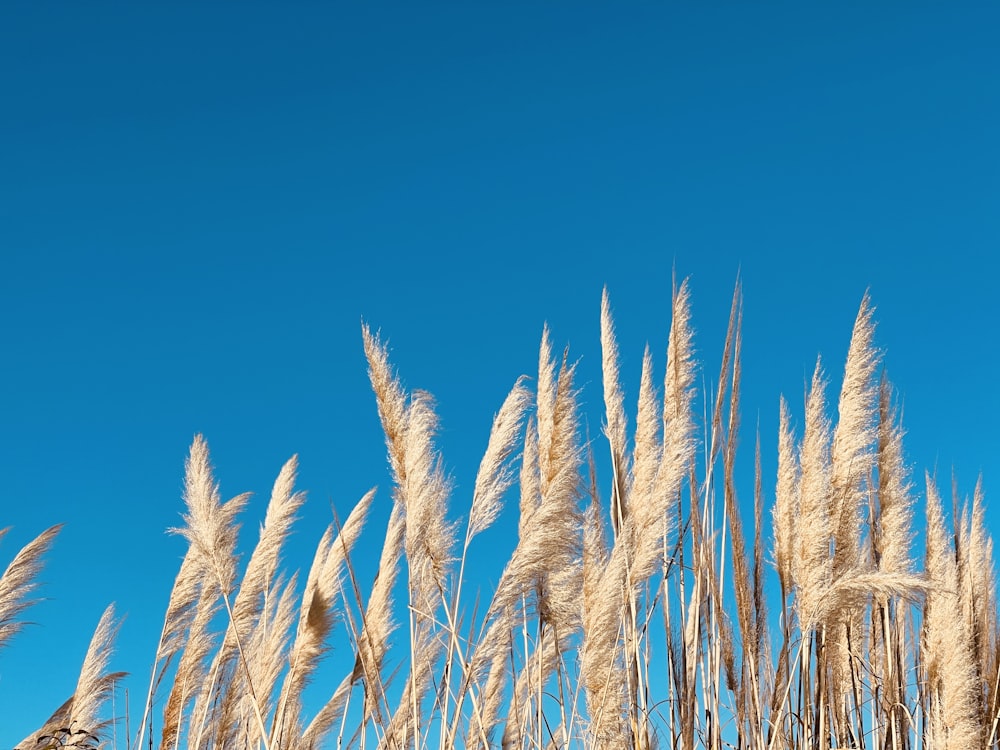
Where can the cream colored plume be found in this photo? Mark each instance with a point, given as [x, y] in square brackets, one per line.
[854, 438]
[811, 560]
[948, 658]
[18, 581]
[495, 474]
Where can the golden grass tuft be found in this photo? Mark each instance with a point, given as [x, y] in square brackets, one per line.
[638, 609]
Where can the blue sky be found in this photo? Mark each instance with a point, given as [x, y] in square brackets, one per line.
[199, 204]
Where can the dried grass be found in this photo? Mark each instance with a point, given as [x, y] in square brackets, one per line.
[633, 611]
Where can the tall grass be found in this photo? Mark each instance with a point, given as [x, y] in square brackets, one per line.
[653, 615]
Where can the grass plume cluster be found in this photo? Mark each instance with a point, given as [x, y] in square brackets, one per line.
[651, 614]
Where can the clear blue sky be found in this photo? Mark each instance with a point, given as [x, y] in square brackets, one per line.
[200, 202]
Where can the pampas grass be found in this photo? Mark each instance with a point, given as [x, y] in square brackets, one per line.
[641, 607]
[18, 582]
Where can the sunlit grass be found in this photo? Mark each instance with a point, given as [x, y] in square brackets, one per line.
[652, 615]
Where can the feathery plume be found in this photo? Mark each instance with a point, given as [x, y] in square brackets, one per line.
[264, 562]
[210, 524]
[895, 533]
[390, 398]
[601, 659]
[614, 409]
[851, 456]
[648, 449]
[378, 623]
[495, 474]
[786, 504]
[428, 535]
[530, 479]
[950, 669]
[95, 683]
[81, 712]
[268, 647]
[811, 561]
[18, 581]
[654, 517]
[316, 618]
[551, 535]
